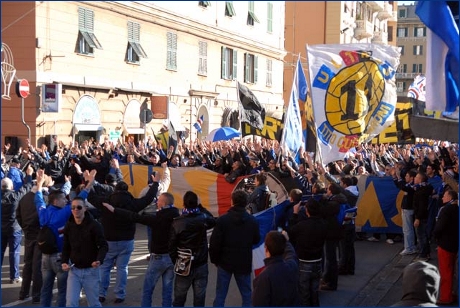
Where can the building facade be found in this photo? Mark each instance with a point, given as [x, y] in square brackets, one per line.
[99, 68]
[334, 22]
[411, 39]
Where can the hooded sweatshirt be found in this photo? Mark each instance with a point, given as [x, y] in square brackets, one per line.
[420, 285]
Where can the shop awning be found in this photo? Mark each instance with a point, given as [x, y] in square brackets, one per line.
[86, 127]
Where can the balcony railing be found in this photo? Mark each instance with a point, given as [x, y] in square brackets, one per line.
[386, 13]
[376, 6]
[364, 29]
[380, 37]
[406, 75]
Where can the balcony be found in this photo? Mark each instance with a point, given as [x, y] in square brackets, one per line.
[406, 75]
[386, 13]
[394, 16]
[380, 37]
[376, 6]
[364, 29]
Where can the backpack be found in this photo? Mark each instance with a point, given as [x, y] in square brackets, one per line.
[47, 242]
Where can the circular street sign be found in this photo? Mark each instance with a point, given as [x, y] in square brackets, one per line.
[22, 88]
[145, 116]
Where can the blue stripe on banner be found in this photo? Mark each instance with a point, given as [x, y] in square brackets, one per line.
[131, 174]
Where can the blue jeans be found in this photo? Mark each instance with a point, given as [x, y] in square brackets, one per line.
[309, 278]
[160, 265]
[121, 252]
[331, 269]
[408, 230]
[422, 238]
[243, 281]
[198, 279]
[51, 268]
[13, 241]
[86, 278]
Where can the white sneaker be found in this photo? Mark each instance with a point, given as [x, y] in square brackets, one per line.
[406, 252]
[373, 239]
[16, 280]
[390, 241]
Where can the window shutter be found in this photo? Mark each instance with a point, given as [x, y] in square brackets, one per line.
[89, 20]
[414, 68]
[269, 17]
[81, 18]
[130, 31]
[224, 62]
[405, 32]
[168, 49]
[424, 31]
[415, 49]
[421, 49]
[256, 64]
[235, 64]
[246, 67]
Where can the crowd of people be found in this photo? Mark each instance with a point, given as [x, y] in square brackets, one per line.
[79, 193]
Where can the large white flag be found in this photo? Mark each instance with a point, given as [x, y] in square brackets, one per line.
[292, 137]
[353, 94]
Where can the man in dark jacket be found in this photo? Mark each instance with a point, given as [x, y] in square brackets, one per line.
[27, 217]
[160, 264]
[189, 232]
[11, 231]
[84, 250]
[308, 237]
[331, 207]
[276, 285]
[422, 196]
[230, 249]
[119, 234]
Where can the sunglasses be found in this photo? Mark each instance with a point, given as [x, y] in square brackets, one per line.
[78, 207]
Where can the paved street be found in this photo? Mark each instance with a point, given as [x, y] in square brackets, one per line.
[377, 279]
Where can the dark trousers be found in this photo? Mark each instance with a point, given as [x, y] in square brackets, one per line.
[198, 280]
[32, 270]
[309, 280]
[331, 269]
[347, 250]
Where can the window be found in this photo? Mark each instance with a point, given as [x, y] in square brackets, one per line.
[402, 13]
[202, 58]
[171, 57]
[402, 68]
[269, 17]
[229, 63]
[87, 41]
[204, 3]
[229, 10]
[419, 31]
[417, 68]
[402, 50]
[250, 68]
[390, 33]
[418, 50]
[269, 73]
[251, 15]
[400, 86]
[402, 32]
[135, 50]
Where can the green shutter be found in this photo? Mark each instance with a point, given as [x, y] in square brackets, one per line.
[81, 19]
[246, 67]
[256, 64]
[223, 62]
[235, 64]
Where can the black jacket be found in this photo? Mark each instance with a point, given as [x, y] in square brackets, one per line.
[10, 203]
[276, 285]
[160, 222]
[189, 231]
[27, 216]
[308, 237]
[446, 228]
[120, 229]
[422, 197]
[230, 245]
[84, 243]
[408, 188]
[330, 209]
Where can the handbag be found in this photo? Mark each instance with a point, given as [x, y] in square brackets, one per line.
[183, 261]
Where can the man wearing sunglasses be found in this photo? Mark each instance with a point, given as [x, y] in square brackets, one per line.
[85, 247]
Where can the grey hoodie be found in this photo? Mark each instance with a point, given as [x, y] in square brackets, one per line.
[420, 285]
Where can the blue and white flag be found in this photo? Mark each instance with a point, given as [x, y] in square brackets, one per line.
[442, 58]
[292, 138]
[417, 88]
[198, 123]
